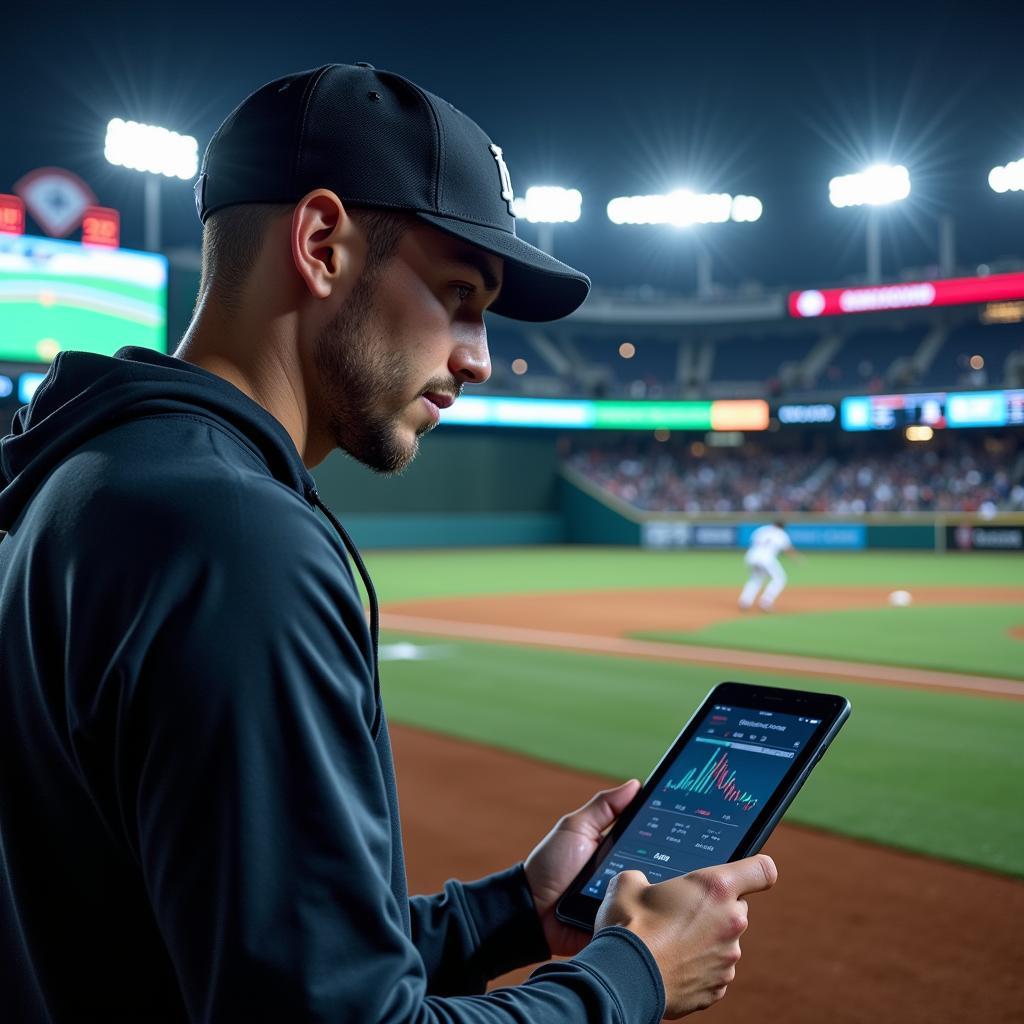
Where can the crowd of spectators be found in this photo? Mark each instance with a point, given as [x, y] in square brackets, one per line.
[962, 476]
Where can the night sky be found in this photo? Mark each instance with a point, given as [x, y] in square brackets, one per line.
[767, 99]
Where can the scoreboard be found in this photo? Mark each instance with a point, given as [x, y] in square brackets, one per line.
[935, 409]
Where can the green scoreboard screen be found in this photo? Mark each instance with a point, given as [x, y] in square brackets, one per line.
[64, 295]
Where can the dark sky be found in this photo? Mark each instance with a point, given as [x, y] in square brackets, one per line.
[769, 99]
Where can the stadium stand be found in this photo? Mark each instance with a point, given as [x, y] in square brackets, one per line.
[956, 474]
[864, 360]
[995, 343]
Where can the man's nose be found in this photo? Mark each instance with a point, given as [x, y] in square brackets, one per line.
[470, 361]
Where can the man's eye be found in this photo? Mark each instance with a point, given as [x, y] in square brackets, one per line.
[464, 291]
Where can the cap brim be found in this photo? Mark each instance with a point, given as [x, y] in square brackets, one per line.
[535, 285]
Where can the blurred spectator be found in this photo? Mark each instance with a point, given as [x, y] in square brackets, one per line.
[963, 476]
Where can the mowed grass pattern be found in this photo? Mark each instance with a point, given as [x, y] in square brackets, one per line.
[951, 638]
[930, 772]
[407, 575]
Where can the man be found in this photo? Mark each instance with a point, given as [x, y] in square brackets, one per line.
[762, 559]
[197, 804]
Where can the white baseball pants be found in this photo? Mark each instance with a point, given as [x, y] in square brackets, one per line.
[763, 570]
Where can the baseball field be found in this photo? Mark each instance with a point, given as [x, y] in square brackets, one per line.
[520, 680]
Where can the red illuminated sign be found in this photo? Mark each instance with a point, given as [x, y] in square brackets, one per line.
[101, 226]
[955, 291]
[12, 215]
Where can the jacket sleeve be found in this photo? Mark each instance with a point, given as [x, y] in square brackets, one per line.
[474, 931]
[249, 790]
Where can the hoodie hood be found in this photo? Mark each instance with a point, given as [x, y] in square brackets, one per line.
[85, 394]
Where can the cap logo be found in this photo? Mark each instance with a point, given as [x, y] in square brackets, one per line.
[199, 191]
[506, 180]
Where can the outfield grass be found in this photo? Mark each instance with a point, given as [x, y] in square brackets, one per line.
[953, 638]
[406, 575]
[931, 772]
[971, 639]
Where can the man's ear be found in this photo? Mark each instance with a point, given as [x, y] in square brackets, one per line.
[328, 248]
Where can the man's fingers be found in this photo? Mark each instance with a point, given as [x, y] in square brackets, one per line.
[604, 807]
[753, 874]
[618, 798]
[628, 884]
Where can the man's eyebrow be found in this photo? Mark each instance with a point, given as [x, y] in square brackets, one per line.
[476, 260]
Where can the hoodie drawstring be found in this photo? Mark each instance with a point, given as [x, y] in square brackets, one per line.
[314, 498]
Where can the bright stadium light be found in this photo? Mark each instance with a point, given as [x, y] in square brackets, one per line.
[747, 209]
[877, 186]
[684, 208]
[546, 206]
[159, 153]
[1008, 178]
[549, 204]
[145, 147]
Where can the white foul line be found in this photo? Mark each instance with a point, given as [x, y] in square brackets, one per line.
[764, 662]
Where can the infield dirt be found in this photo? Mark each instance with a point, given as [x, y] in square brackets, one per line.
[852, 933]
[622, 612]
[602, 621]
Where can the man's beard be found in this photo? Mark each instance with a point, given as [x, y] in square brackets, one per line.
[363, 390]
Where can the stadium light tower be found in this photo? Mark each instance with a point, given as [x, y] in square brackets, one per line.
[683, 209]
[879, 185]
[157, 152]
[546, 206]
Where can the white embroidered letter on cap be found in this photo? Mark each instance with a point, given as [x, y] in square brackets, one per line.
[506, 180]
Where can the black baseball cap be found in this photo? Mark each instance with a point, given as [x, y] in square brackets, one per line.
[378, 140]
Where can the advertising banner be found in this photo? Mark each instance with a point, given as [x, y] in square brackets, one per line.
[674, 533]
[967, 537]
[957, 291]
[819, 536]
[666, 534]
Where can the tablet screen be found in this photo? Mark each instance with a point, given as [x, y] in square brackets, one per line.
[709, 796]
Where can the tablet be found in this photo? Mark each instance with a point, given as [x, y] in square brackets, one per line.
[717, 793]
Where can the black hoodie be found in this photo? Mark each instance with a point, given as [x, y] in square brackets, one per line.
[198, 818]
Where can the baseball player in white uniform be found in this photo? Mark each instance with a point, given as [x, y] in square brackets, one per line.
[762, 558]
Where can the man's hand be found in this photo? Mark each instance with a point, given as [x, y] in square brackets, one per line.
[560, 856]
[691, 924]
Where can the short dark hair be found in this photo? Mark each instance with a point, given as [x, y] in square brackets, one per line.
[780, 524]
[233, 237]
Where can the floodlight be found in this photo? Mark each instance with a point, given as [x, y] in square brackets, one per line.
[684, 208]
[146, 147]
[1008, 178]
[747, 209]
[159, 153]
[877, 186]
[549, 204]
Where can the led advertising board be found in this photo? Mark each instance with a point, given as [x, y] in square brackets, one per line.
[954, 291]
[936, 409]
[586, 414]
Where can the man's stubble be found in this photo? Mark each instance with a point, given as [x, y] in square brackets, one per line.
[364, 387]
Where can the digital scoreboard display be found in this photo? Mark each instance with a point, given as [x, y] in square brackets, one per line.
[937, 410]
[57, 295]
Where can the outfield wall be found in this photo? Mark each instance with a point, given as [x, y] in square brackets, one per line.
[464, 488]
